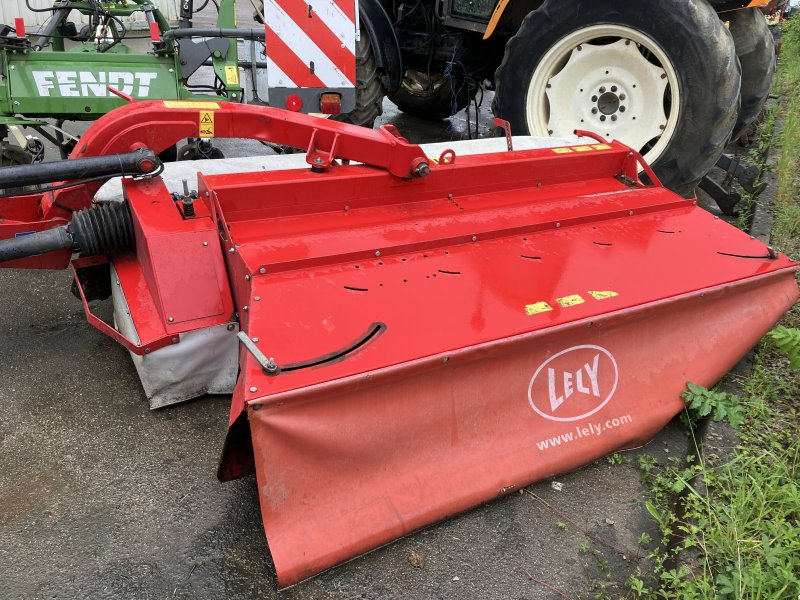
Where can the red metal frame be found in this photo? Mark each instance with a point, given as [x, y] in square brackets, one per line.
[440, 340]
[149, 345]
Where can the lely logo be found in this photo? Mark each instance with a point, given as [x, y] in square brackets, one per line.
[573, 384]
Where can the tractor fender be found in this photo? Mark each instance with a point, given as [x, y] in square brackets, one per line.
[381, 33]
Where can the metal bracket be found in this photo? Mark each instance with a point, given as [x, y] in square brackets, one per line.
[506, 126]
[98, 323]
[267, 364]
[321, 159]
[746, 175]
[193, 55]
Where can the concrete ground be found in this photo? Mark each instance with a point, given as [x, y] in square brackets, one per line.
[102, 498]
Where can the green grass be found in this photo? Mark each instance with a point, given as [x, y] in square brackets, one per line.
[787, 213]
[731, 524]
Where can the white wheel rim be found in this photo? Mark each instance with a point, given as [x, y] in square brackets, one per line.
[589, 81]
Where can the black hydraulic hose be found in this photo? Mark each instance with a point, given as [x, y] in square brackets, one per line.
[212, 32]
[138, 162]
[36, 10]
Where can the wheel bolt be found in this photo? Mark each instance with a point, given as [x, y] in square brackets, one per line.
[613, 88]
[594, 98]
[602, 117]
[622, 96]
[621, 109]
[594, 110]
[602, 90]
[613, 117]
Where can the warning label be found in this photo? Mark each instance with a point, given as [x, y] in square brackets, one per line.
[231, 75]
[190, 104]
[206, 124]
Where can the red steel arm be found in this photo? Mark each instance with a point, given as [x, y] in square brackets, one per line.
[160, 124]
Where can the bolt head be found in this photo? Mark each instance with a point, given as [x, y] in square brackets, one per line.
[603, 90]
[594, 110]
[594, 98]
[622, 96]
[262, 270]
[257, 298]
[245, 308]
[621, 109]
[423, 169]
[231, 250]
[170, 319]
[318, 160]
[247, 277]
[474, 238]
[613, 88]
[613, 117]
[253, 389]
[602, 117]
[147, 350]
[175, 340]
[231, 327]
[377, 252]
[255, 340]
[205, 243]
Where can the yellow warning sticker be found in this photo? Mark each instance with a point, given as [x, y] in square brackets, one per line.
[601, 147]
[232, 75]
[185, 104]
[562, 150]
[572, 300]
[582, 148]
[206, 124]
[603, 295]
[539, 307]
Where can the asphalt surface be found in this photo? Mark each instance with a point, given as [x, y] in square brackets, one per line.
[102, 498]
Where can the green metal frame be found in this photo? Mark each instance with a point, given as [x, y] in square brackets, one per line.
[71, 83]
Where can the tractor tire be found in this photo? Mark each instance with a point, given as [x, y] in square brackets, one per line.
[14, 155]
[192, 152]
[434, 100]
[755, 48]
[661, 77]
[369, 88]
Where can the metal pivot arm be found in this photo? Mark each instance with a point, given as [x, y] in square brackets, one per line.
[139, 162]
[160, 124]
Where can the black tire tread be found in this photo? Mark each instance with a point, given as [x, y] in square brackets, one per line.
[435, 106]
[369, 88]
[755, 49]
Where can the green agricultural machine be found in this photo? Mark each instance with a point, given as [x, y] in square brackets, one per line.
[86, 73]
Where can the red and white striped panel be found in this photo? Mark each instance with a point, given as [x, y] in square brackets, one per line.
[310, 43]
